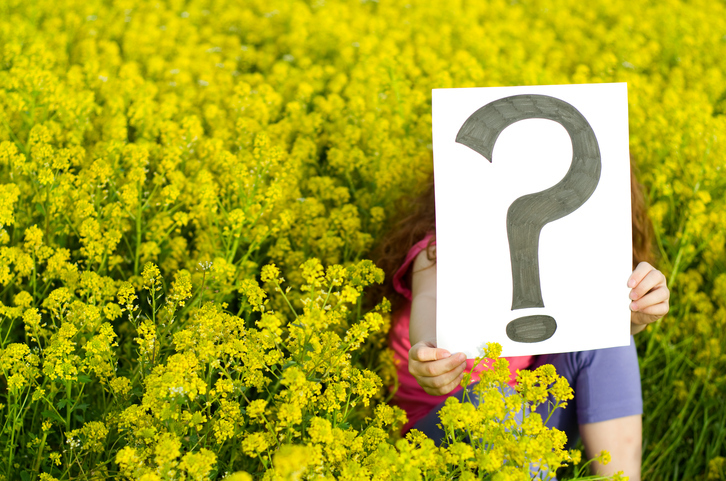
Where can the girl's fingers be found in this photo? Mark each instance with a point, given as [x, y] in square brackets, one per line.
[639, 273]
[650, 281]
[446, 388]
[422, 352]
[436, 368]
[656, 311]
[656, 296]
[440, 383]
[450, 387]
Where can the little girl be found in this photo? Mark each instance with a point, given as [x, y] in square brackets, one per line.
[607, 409]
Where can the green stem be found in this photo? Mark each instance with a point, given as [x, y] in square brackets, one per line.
[138, 237]
[77, 401]
[17, 141]
[284, 296]
[35, 275]
[102, 266]
[11, 446]
[17, 416]
[201, 290]
[10, 329]
[148, 199]
[676, 266]
[37, 300]
[40, 452]
[70, 224]
[235, 245]
[153, 305]
[327, 295]
[69, 389]
[10, 283]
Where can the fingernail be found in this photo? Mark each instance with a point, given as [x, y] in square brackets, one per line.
[461, 357]
[633, 306]
[633, 295]
[631, 283]
[445, 355]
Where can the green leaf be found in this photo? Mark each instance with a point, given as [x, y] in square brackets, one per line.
[25, 476]
[84, 379]
[81, 407]
[54, 416]
[61, 404]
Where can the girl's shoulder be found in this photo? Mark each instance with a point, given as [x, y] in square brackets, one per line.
[400, 282]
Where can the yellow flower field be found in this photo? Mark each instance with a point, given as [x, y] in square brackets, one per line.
[190, 191]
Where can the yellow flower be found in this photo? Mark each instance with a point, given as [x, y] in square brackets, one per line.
[181, 290]
[120, 386]
[270, 322]
[562, 391]
[255, 443]
[270, 273]
[128, 459]
[366, 384]
[198, 465]
[288, 415]
[239, 476]
[227, 420]
[112, 311]
[55, 458]
[151, 276]
[254, 294]
[33, 238]
[9, 194]
[256, 409]
[24, 265]
[575, 456]
[320, 431]
[716, 467]
[167, 450]
[291, 461]
[127, 296]
[92, 434]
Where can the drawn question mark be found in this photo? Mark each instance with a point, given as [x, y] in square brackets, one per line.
[528, 214]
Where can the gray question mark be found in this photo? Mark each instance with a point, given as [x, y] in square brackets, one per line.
[528, 214]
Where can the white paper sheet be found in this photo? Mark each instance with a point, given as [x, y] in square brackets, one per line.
[584, 257]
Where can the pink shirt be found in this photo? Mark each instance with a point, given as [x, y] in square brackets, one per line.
[410, 396]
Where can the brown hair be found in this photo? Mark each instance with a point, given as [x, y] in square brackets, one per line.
[642, 225]
[421, 219]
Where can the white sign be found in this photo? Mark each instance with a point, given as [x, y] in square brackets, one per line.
[533, 219]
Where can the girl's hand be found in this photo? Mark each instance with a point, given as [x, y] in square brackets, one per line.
[649, 295]
[436, 370]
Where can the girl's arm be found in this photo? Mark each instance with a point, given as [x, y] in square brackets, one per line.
[436, 370]
[649, 295]
[423, 303]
